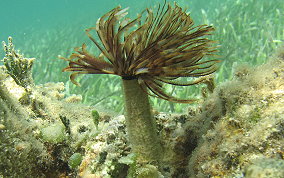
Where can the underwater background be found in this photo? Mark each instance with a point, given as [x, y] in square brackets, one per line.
[51, 128]
[246, 30]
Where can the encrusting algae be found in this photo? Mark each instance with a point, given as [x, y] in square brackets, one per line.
[154, 49]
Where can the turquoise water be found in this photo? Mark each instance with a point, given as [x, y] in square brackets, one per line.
[45, 29]
[34, 22]
[19, 17]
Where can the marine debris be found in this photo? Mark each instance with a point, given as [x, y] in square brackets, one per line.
[156, 48]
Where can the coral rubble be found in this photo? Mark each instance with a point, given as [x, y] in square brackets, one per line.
[240, 123]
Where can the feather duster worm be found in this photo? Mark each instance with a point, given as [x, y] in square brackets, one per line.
[156, 48]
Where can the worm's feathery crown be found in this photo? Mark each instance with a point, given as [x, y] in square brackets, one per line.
[155, 48]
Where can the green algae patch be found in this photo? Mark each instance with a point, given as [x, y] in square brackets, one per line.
[54, 133]
[96, 118]
[75, 160]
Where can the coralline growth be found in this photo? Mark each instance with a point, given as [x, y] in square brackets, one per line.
[18, 67]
